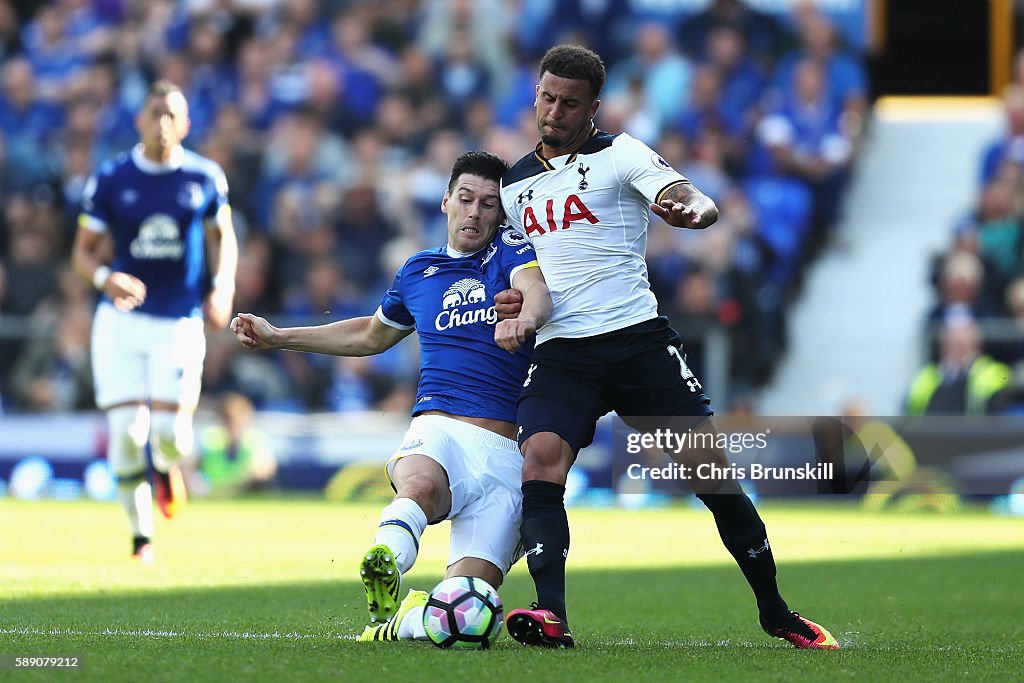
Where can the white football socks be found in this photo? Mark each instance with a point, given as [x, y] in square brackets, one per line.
[137, 501]
[401, 524]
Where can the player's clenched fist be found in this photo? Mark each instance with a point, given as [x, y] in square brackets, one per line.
[508, 303]
[253, 332]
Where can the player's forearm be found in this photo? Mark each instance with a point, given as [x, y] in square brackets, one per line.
[686, 193]
[85, 259]
[223, 247]
[536, 304]
[351, 337]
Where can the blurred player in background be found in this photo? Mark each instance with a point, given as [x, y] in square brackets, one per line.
[163, 211]
[583, 198]
[459, 458]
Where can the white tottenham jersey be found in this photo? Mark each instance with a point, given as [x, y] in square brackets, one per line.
[586, 215]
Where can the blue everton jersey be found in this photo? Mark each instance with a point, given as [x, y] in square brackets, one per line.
[155, 214]
[449, 300]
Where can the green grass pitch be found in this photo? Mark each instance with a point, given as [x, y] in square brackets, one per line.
[266, 590]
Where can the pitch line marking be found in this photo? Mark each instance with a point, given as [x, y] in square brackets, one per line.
[156, 633]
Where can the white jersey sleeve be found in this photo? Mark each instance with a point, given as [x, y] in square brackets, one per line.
[643, 169]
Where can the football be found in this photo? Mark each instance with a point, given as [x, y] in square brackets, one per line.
[463, 612]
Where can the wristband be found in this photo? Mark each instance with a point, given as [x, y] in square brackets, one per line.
[100, 277]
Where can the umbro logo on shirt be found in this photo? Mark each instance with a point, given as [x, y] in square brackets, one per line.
[427, 272]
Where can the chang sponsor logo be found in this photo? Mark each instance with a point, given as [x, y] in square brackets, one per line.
[465, 292]
[158, 238]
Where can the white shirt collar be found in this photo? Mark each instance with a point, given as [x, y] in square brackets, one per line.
[455, 253]
[154, 167]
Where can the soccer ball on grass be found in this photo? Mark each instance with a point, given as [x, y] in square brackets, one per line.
[463, 612]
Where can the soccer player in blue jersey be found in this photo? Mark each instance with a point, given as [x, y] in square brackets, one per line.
[165, 211]
[583, 198]
[459, 459]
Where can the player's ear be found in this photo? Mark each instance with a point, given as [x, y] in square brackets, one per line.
[593, 109]
[444, 203]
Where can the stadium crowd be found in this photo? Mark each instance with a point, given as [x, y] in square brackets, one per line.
[337, 122]
[977, 320]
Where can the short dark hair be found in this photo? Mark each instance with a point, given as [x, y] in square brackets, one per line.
[575, 62]
[163, 88]
[483, 164]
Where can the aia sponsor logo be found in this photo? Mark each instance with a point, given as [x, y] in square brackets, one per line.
[572, 210]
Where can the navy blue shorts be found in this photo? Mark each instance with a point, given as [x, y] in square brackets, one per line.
[636, 371]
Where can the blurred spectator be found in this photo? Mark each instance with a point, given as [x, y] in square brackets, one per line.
[254, 375]
[10, 38]
[961, 284]
[845, 76]
[762, 33]
[55, 57]
[1010, 148]
[31, 252]
[54, 374]
[963, 381]
[26, 122]
[805, 138]
[233, 456]
[482, 24]
[664, 73]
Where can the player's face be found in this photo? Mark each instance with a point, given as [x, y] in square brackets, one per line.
[565, 111]
[163, 123]
[473, 208]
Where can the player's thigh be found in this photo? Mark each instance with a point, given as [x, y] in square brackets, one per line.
[177, 350]
[119, 365]
[487, 528]
[561, 395]
[658, 382]
[437, 438]
[424, 480]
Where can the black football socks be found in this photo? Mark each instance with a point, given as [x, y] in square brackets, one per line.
[545, 537]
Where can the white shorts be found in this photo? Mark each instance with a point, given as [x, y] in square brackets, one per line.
[136, 356]
[485, 475]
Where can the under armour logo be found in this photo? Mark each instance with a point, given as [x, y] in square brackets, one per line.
[536, 551]
[693, 384]
[583, 172]
[525, 196]
[754, 552]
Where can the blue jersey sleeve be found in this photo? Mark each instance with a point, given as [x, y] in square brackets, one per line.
[514, 252]
[392, 309]
[218, 190]
[96, 204]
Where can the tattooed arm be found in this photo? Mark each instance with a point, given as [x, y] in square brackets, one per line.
[684, 206]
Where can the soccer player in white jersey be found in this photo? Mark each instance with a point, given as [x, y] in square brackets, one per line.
[582, 197]
[165, 211]
[459, 459]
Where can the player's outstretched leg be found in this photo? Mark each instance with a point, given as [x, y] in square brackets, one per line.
[406, 625]
[802, 633]
[382, 582]
[540, 627]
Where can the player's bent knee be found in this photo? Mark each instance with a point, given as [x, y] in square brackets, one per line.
[128, 427]
[546, 457]
[172, 434]
[474, 566]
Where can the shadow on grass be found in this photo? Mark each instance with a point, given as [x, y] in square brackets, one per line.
[897, 619]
